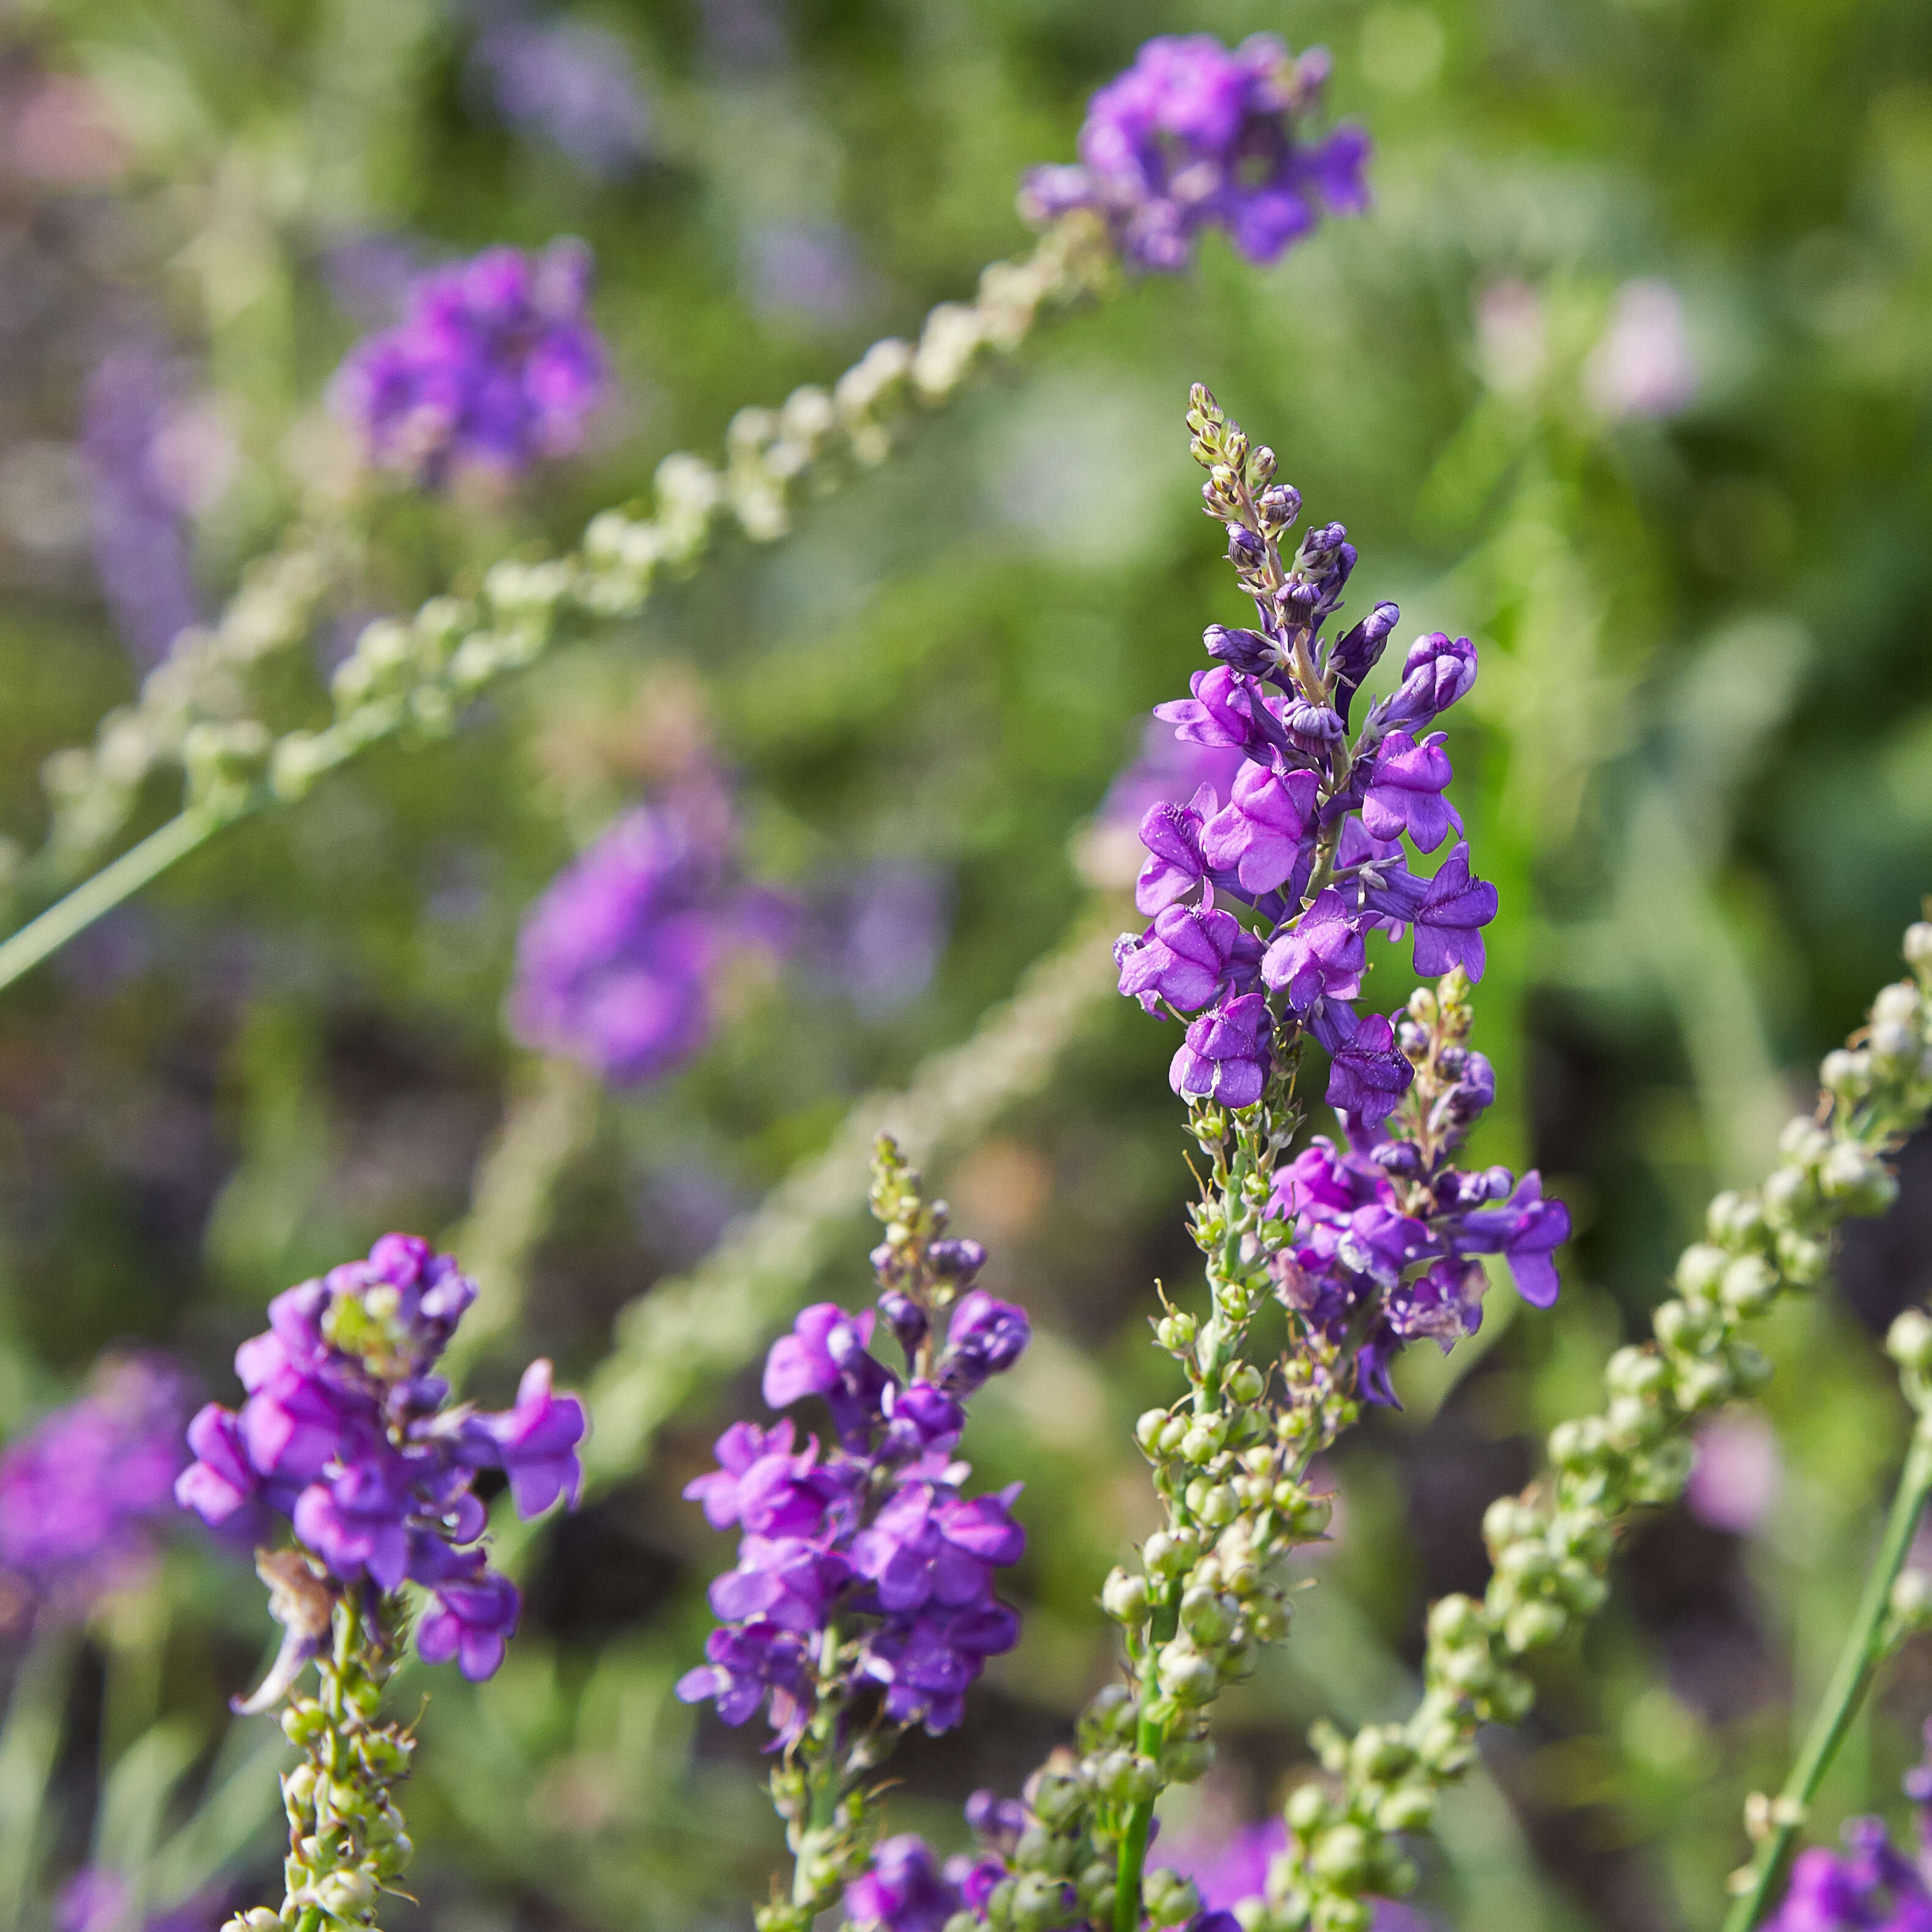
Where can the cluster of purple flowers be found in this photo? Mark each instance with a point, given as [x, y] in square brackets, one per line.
[873, 1540]
[1310, 841]
[1871, 1885]
[82, 1494]
[349, 1433]
[494, 366]
[906, 1887]
[1192, 136]
[1305, 810]
[617, 960]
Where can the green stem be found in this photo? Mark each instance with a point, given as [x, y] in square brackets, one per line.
[1865, 1650]
[100, 894]
[1147, 1741]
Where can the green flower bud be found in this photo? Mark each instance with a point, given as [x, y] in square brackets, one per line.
[1802, 1259]
[1204, 1438]
[1698, 1269]
[1207, 1617]
[1858, 1180]
[1702, 1384]
[1147, 1430]
[1218, 1506]
[1034, 1851]
[1341, 1852]
[1513, 1697]
[1306, 1810]
[1531, 1626]
[1380, 1751]
[1185, 1675]
[1175, 1332]
[1458, 1619]
[1918, 945]
[1246, 1385]
[1188, 1758]
[1039, 1902]
[1170, 1552]
[1908, 1341]
[1332, 1913]
[1170, 1899]
[1125, 1598]
[1748, 1285]
[1056, 1799]
[1846, 1073]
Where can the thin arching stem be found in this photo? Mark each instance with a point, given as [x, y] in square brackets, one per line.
[1864, 1650]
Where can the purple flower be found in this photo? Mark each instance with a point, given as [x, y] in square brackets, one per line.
[494, 366]
[1188, 956]
[1405, 793]
[1321, 958]
[1227, 710]
[1227, 1053]
[617, 960]
[1438, 671]
[346, 1432]
[1194, 136]
[81, 1494]
[877, 1534]
[1449, 921]
[902, 1889]
[1526, 1231]
[574, 84]
[141, 494]
[1367, 1075]
[1175, 864]
[1257, 835]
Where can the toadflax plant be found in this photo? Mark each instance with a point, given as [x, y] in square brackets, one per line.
[1260, 905]
[348, 1435]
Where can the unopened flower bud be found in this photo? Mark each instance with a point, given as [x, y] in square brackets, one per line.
[1170, 1899]
[1857, 1179]
[1918, 947]
[1124, 1598]
[1909, 1342]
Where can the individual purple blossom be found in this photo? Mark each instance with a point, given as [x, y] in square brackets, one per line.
[1737, 1473]
[1227, 1053]
[1257, 835]
[1321, 958]
[1450, 920]
[1227, 710]
[1176, 864]
[617, 960]
[1405, 793]
[875, 1536]
[1189, 955]
[1366, 1074]
[1194, 136]
[83, 1492]
[347, 1432]
[495, 366]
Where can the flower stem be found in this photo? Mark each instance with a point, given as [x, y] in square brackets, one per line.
[1864, 1650]
[94, 897]
[1147, 1741]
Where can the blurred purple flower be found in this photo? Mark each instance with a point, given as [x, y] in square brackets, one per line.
[1738, 1473]
[95, 1900]
[1228, 1870]
[139, 501]
[369, 276]
[1194, 135]
[82, 1493]
[808, 269]
[496, 365]
[574, 85]
[1642, 365]
[617, 960]
[877, 938]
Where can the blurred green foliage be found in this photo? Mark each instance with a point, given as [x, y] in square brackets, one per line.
[1698, 764]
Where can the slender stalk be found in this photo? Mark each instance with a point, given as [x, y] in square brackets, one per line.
[1864, 1650]
[1147, 1742]
[28, 1744]
[100, 894]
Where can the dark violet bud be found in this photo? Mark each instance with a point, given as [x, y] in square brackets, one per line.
[985, 1337]
[1283, 503]
[1245, 550]
[995, 1819]
[956, 1260]
[1367, 1076]
[1438, 671]
[904, 1317]
[1452, 1060]
[1247, 651]
[1401, 1158]
[1314, 728]
[1359, 650]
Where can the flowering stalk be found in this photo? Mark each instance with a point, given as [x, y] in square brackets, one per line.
[1880, 1624]
[348, 1435]
[862, 1602]
[1365, 1245]
[412, 677]
[1551, 1545]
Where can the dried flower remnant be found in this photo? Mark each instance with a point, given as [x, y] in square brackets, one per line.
[83, 1493]
[495, 366]
[1194, 136]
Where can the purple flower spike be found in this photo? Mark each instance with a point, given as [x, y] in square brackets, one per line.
[346, 1431]
[1405, 793]
[1227, 1053]
[495, 366]
[1194, 136]
[1257, 835]
[1449, 921]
